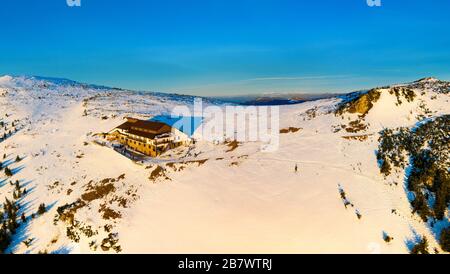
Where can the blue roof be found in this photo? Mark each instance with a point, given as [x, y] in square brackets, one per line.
[186, 124]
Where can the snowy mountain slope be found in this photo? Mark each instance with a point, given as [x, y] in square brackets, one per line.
[229, 197]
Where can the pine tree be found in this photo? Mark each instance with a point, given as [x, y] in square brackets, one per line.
[441, 185]
[385, 168]
[41, 209]
[445, 239]
[18, 158]
[5, 239]
[8, 172]
[421, 247]
[420, 206]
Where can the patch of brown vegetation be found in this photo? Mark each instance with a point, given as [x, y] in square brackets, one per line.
[99, 191]
[172, 166]
[404, 92]
[232, 145]
[289, 130]
[311, 113]
[66, 213]
[338, 128]
[54, 240]
[111, 243]
[360, 138]
[199, 162]
[123, 202]
[181, 166]
[108, 213]
[355, 126]
[95, 190]
[361, 104]
[53, 186]
[157, 173]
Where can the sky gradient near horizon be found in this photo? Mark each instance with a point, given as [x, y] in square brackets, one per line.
[218, 47]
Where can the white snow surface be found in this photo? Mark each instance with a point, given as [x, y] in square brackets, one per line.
[239, 201]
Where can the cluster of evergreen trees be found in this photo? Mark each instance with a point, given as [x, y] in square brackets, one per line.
[405, 92]
[445, 239]
[8, 224]
[18, 191]
[9, 217]
[437, 85]
[390, 151]
[421, 247]
[428, 149]
[5, 135]
[8, 172]
[7, 132]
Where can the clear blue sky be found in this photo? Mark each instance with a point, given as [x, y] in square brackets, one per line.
[220, 47]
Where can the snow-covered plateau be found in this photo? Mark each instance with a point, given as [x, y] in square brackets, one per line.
[326, 189]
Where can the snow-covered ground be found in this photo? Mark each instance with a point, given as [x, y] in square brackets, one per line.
[217, 198]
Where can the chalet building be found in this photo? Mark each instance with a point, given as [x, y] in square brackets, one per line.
[148, 137]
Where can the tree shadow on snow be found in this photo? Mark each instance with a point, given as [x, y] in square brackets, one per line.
[7, 163]
[436, 226]
[22, 232]
[3, 182]
[63, 250]
[17, 169]
[413, 240]
[50, 206]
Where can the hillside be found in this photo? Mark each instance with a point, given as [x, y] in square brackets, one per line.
[78, 196]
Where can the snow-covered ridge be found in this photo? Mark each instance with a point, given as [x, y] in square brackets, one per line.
[42, 82]
[60, 84]
[38, 83]
[103, 101]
